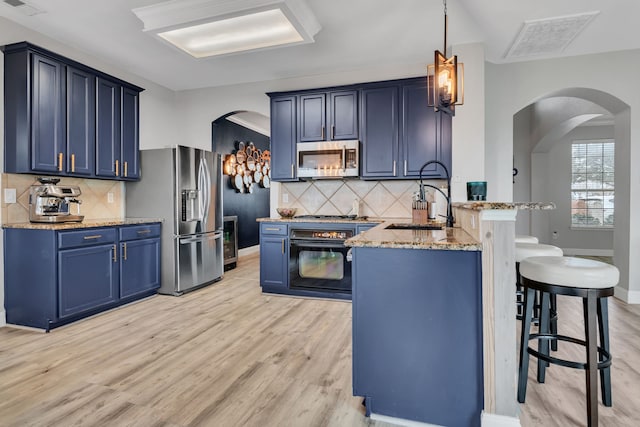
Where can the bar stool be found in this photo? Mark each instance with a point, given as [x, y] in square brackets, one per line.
[523, 238]
[527, 250]
[593, 281]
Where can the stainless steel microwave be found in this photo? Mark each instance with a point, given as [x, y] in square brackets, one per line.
[327, 159]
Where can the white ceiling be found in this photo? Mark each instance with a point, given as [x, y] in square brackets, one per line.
[355, 34]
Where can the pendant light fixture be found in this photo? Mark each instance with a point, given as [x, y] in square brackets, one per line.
[445, 78]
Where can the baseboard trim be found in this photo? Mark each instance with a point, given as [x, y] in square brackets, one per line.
[249, 251]
[630, 297]
[588, 252]
[495, 420]
[400, 421]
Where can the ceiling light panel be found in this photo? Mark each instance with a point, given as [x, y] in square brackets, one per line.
[241, 33]
[548, 36]
[205, 28]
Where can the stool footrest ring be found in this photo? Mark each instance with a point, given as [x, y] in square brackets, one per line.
[605, 355]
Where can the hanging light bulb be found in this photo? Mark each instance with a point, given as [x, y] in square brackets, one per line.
[445, 80]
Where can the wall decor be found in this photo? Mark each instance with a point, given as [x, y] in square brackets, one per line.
[248, 167]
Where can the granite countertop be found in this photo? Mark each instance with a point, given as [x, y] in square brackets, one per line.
[480, 206]
[449, 238]
[86, 223]
[360, 220]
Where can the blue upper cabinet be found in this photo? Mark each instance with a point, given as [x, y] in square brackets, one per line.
[313, 117]
[47, 114]
[130, 143]
[108, 128]
[398, 131]
[81, 122]
[283, 138]
[328, 116]
[58, 115]
[424, 133]
[117, 130]
[343, 115]
[379, 131]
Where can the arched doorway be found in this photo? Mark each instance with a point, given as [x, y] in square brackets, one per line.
[543, 132]
[227, 132]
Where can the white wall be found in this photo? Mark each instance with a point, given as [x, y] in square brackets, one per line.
[510, 87]
[522, 162]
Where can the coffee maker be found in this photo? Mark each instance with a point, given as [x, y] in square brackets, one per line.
[50, 202]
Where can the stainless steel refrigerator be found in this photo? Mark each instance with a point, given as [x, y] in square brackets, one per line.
[183, 186]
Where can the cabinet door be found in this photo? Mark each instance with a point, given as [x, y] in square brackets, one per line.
[130, 134]
[343, 112]
[274, 261]
[379, 132]
[107, 128]
[313, 117]
[81, 119]
[47, 114]
[283, 138]
[421, 137]
[139, 266]
[87, 279]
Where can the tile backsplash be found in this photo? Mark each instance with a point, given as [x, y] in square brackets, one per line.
[391, 199]
[95, 202]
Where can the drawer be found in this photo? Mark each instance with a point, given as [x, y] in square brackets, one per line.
[88, 237]
[142, 231]
[274, 228]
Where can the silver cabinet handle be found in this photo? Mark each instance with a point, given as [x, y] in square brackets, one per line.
[144, 231]
[292, 166]
[405, 168]
[394, 168]
[96, 236]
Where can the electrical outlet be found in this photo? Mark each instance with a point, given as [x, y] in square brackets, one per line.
[285, 197]
[109, 197]
[9, 195]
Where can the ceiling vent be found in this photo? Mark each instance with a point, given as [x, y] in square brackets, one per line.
[548, 36]
[24, 8]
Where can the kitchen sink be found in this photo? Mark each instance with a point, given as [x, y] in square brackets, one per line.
[411, 226]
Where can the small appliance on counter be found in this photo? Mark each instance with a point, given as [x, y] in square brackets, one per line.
[50, 202]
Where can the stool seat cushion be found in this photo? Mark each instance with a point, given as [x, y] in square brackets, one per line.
[526, 250]
[523, 238]
[570, 272]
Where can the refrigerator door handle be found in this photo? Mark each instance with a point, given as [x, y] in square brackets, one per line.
[207, 188]
[199, 237]
[202, 191]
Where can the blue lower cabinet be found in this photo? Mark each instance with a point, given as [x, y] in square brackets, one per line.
[87, 279]
[417, 334]
[274, 262]
[56, 277]
[139, 267]
[274, 256]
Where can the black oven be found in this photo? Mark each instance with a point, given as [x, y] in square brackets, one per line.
[318, 259]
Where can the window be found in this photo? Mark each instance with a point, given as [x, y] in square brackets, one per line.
[592, 183]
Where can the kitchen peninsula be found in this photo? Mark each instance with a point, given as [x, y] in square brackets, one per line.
[417, 324]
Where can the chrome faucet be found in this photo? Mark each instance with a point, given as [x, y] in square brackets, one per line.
[446, 196]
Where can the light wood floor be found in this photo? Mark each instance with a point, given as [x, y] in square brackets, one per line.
[226, 355]
[561, 400]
